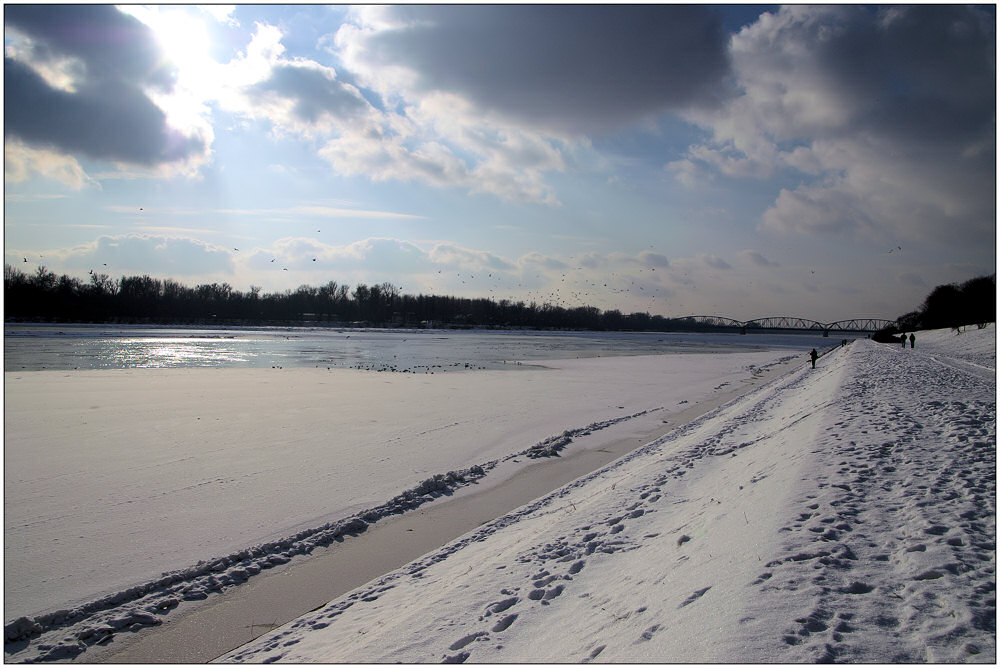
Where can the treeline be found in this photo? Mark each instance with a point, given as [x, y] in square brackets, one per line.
[952, 305]
[43, 296]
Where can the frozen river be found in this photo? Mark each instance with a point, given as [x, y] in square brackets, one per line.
[33, 347]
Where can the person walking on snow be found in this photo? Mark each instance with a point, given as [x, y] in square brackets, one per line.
[903, 339]
[912, 339]
[814, 356]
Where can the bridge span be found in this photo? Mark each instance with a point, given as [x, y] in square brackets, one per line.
[782, 322]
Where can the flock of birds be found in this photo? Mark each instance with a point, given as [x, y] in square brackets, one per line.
[571, 291]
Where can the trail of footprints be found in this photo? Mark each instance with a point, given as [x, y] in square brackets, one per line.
[561, 560]
[938, 482]
[557, 563]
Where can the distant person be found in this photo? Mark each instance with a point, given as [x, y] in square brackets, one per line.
[814, 356]
[912, 339]
[903, 339]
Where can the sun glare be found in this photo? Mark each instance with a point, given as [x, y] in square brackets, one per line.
[186, 46]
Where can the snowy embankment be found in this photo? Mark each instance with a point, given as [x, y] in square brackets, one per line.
[132, 496]
[844, 513]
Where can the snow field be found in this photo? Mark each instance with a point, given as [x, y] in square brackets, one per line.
[131, 494]
[845, 513]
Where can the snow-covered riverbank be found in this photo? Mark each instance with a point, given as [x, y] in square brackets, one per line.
[844, 513]
[132, 496]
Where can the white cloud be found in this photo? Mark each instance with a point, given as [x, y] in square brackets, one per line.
[650, 259]
[715, 262]
[756, 258]
[221, 13]
[886, 116]
[156, 255]
[689, 172]
[451, 255]
[21, 161]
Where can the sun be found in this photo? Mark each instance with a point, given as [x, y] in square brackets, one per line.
[184, 41]
[185, 45]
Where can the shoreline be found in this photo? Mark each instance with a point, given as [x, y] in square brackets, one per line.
[238, 615]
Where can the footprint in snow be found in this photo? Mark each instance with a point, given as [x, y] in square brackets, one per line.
[465, 640]
[456, 658]
[648, 634]
[694, 597]
[504, 623]
[500, 606]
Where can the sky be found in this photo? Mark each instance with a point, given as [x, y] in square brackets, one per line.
[824, 162]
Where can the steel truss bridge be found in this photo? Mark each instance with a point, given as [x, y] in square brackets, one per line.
[782, 322]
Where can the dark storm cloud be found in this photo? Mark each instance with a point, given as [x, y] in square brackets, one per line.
[107, 116]
[102, 120]
[892, 109]
[110, 44]
[577, 68]
[314, 92]
[928, 71]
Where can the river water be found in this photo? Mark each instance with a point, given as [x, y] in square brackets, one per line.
[32, 347]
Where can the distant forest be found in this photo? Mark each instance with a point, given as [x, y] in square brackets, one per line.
[43, 296]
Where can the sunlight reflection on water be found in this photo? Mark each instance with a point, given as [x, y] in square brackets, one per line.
[163, 353]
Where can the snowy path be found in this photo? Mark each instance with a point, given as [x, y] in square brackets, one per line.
[901, 525]
[845, 513]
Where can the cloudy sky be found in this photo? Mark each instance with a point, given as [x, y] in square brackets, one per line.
[825, 162]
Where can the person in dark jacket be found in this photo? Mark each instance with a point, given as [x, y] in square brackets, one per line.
[814, 356]
[912, 339]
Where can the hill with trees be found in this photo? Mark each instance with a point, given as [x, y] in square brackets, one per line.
[973, 302]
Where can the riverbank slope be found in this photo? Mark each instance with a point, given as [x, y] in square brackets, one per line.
[844, 513]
